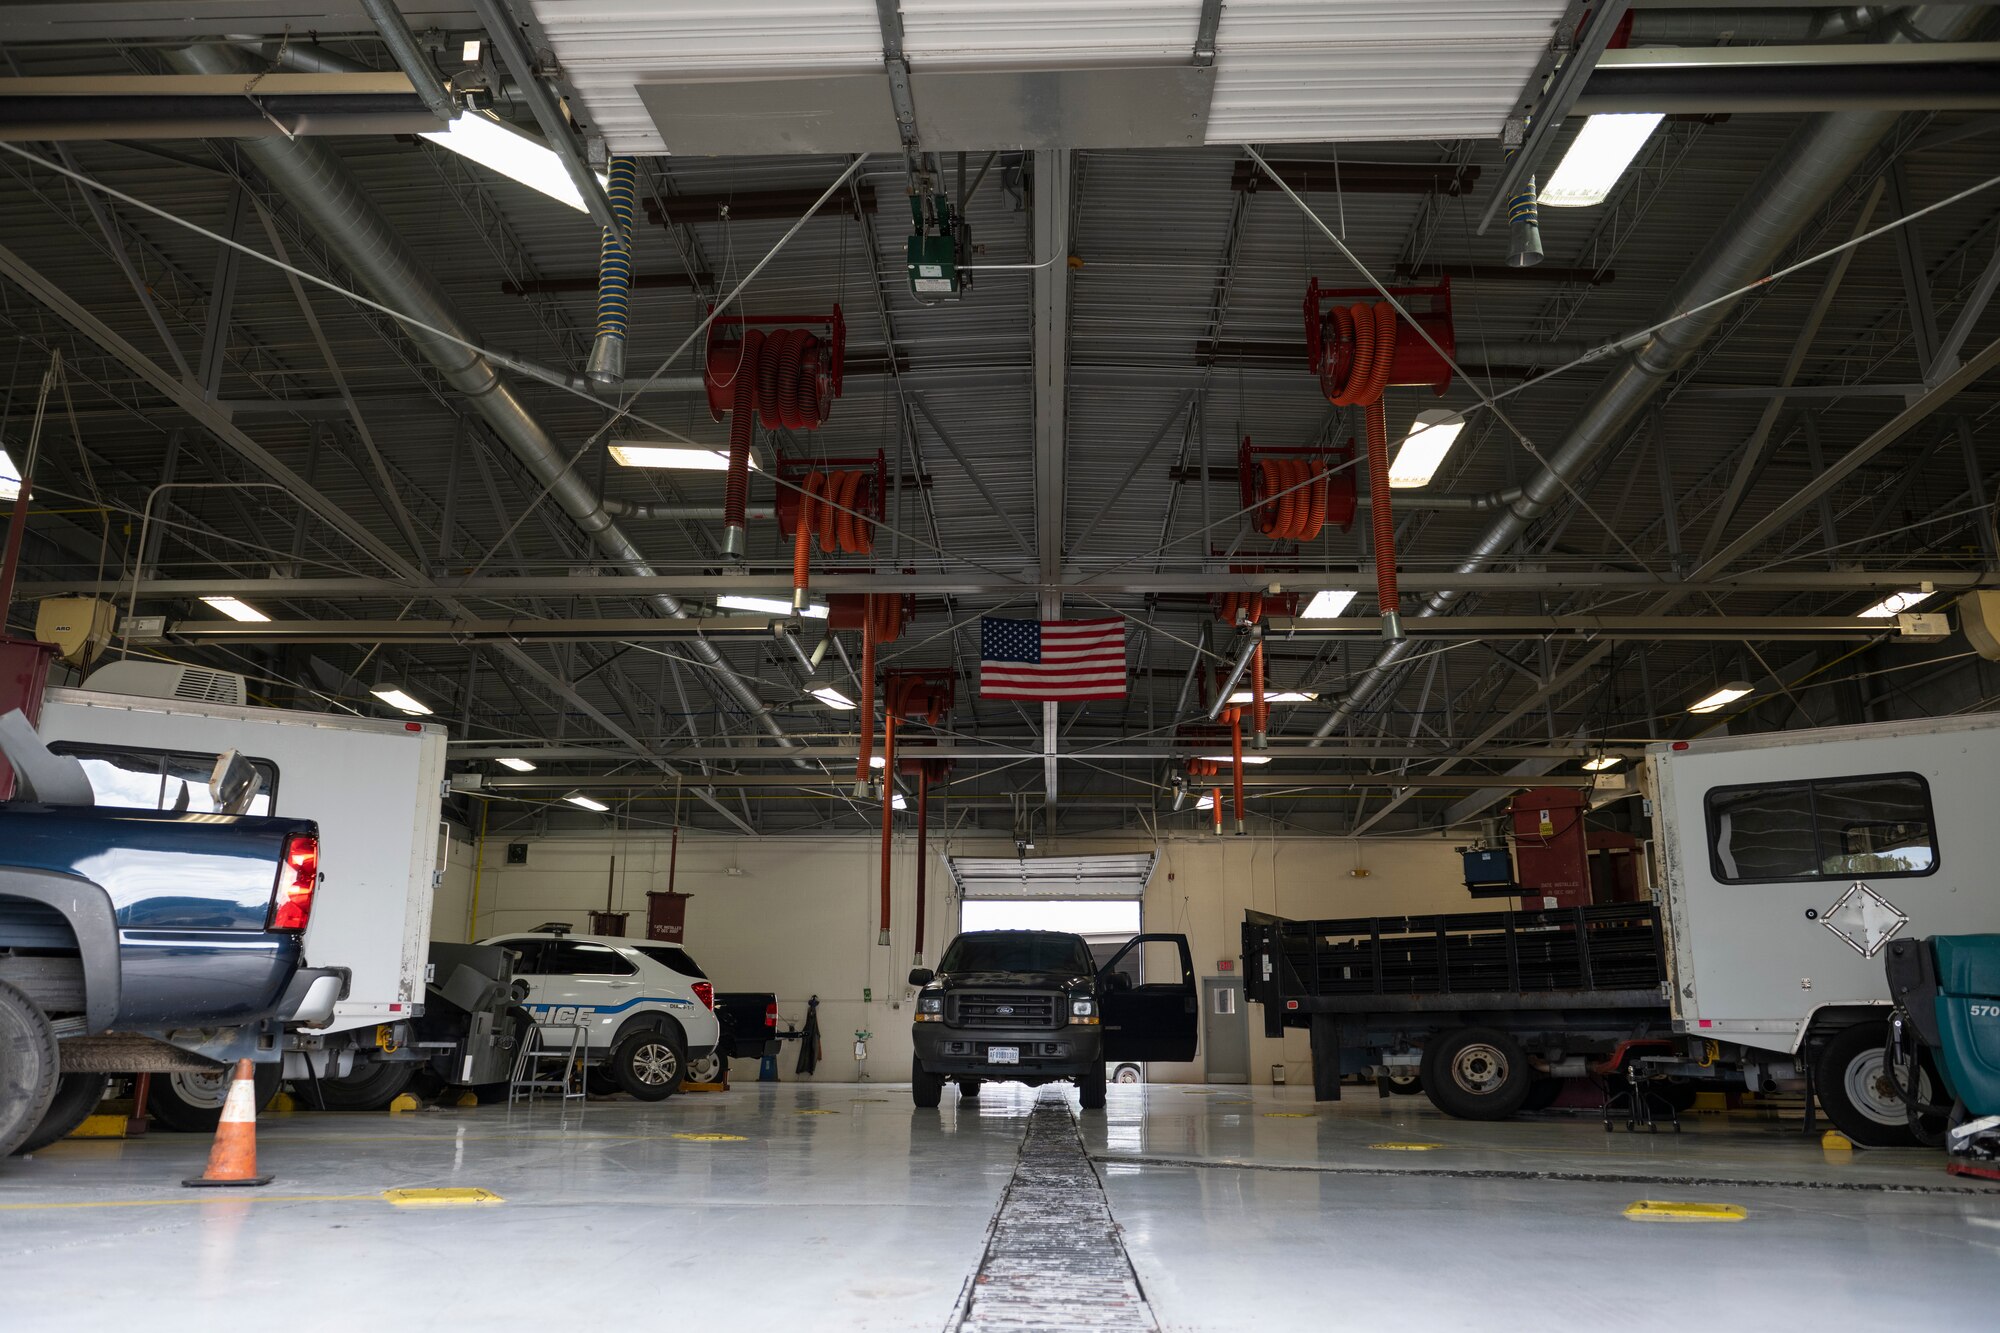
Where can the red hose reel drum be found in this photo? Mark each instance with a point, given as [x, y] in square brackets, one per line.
[1330, 349]
[798, 371]
[871, 494]
[1263, 471]
[847, 610]
[922, 696]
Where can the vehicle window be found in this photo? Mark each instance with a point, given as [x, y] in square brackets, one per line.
[530, 951]
[678, 959]
[160, 779]
[563, 958]
[1829, 828]
[1009, 951]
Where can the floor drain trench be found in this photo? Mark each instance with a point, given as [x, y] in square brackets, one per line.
[1055, 1260]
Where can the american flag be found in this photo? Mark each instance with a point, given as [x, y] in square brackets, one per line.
[1052, 659]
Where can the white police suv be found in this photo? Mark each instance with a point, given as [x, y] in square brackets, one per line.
[646, 1008]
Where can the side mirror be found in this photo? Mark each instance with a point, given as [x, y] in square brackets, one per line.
[922, 976]
[234, 783]
[1118, 981]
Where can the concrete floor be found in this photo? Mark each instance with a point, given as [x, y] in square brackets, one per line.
[838, 1207]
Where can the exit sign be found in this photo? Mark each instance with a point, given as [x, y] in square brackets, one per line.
[1225, 964]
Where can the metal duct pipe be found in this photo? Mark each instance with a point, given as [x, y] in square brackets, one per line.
[1825, 150]
[1452, 503]
[1706, 27]
[640, 511]
[309, 174]
[304, 57]
[410, 57]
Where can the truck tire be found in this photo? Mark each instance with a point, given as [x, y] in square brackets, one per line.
[926, 1088]
[192, 1103]
[1542, 1094]
[1855, 1092]
[29, 1067]
[650, 1064]
[370, 1088]
[711, 1068]
[1476, 1074]
[77, 1095]
[968, 1088]
[1403, 1085]
[1090, 1088]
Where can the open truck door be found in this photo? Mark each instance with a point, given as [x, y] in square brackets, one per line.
[1148, 1020]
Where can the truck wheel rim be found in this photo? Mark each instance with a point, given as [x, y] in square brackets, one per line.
[1479, 1068]
[1869, 1091]
[655, 1064]
[203, 1090]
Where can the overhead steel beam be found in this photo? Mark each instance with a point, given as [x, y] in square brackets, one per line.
[1011, 750]
[1050, 333]
[1307, 176]
[680, 210]
[1552, 106]
[536, 782]
[1969, 85]
[977, 583]
[1976, 300]
[181, 106]
[512, 629]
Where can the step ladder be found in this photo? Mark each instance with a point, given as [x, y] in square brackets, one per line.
[553, 1058]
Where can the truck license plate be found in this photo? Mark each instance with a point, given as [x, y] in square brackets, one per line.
[1003, 1055]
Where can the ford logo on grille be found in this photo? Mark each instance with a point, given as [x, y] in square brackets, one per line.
[1003, 1008]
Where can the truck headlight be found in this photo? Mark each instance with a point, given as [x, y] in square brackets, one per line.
[930, 1008]
[1082, 1007]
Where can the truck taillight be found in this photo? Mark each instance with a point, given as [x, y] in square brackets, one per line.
[771, 1014]
[292, 907]
[705, 993]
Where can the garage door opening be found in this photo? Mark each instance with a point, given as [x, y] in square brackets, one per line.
[1081, 916]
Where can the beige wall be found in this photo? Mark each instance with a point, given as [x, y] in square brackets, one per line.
[798, 915]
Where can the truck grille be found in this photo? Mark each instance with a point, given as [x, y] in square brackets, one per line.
[1012, 1009]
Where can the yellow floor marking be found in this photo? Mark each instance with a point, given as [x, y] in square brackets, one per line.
[1657, 1210]
[1405, 1147]
[711, 1138]
[196, 1198]
[440, 1198]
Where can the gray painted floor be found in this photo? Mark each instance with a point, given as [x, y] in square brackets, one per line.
[1237, 1208]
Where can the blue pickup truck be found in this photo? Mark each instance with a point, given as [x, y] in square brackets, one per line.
[139, 941]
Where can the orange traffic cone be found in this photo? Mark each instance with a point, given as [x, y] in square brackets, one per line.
[233, 1158]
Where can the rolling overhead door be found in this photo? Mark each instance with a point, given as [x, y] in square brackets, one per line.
[1117, 876]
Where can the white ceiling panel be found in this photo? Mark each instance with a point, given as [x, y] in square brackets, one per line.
[1286, 70]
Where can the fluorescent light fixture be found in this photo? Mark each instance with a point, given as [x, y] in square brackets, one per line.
[494, 144]
[876, 761]
[1893, 605]
[395, 698]
[1422, 451]
[832, 698]
[1597, 157]
[683, 458]
[10, 477]
[236, 608]
[1275, 697]
[897, 802]
[770, 606]
[587, 803]
[469, 53]
[1227, 758]
[1205, 803]
[1722, 698]
[1327, 603]
[1602, 762]
[518, 765]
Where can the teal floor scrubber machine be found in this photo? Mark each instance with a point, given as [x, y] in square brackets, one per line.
[1947, 1023]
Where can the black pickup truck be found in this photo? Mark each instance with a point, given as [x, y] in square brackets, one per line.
[1033, 1006]
[139, 941]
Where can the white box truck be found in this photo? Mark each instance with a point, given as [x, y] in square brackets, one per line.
[1786, 864]
[376, 788]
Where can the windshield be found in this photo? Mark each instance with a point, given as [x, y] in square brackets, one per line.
[1017, 951]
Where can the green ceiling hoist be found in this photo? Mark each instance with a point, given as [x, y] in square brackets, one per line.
[939, 242]
[1947, 994]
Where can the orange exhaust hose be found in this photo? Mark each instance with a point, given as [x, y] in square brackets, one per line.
[888, 809]
[1373, 328]
[802, 538]
[736, 489]
[1260, 710]
[866, 702]
[1215, 808]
